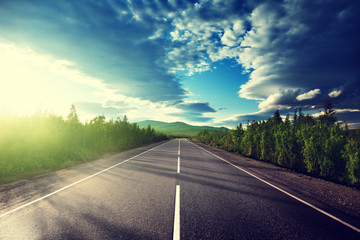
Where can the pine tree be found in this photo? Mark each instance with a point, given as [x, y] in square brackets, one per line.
[276, 118]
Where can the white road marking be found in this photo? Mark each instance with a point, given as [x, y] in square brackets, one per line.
[176, 233]
[178, 165]
[74, 183]
[283, 191]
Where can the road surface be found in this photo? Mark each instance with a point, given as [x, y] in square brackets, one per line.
[175, 190]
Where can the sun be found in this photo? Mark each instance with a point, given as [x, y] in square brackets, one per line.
[31, 82]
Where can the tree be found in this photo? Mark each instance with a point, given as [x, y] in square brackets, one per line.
[73, 116]
[328, 118]
[276, 118]
[295, 115]
[287, 119]
[352, 157]
[329, 109]
[312, 154]
[237, 135]
[125, 119]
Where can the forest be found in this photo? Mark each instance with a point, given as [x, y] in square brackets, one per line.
[31, 145]
[320, 147]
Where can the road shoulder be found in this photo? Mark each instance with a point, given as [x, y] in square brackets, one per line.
[336, 199]
[15, 194]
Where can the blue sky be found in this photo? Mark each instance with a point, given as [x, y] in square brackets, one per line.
[206, 62]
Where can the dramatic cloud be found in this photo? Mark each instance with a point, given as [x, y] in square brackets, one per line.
[297, 52]
[106, 40]
[290, 48]
[300, 53]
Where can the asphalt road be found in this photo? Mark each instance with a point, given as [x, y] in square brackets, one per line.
[173, 191]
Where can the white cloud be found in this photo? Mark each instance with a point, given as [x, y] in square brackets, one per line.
[239, 27]
[335, 93]
[204, 39]
[271, 102]
[157, 34]
[229, 38]
[198, 68]
[308, 95]
[347, 110]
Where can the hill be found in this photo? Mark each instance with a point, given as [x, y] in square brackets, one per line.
[177, 128]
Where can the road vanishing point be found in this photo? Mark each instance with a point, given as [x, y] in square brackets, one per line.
[175, 190]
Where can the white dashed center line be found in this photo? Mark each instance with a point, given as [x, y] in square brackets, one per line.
[176, 234]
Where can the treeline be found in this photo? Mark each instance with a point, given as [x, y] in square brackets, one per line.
[44, 142]
[316, 146]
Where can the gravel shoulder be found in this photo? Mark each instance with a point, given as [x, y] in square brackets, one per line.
[338, 200]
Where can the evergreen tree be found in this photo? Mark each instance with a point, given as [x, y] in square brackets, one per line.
[316, 146]
[327, 118]
[276, 118]
[295, 115]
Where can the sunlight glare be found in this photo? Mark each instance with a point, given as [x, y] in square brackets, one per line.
[23, 87]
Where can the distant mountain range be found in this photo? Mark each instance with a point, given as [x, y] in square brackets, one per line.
[177, 128]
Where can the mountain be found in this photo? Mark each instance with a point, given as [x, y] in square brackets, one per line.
[177, 128]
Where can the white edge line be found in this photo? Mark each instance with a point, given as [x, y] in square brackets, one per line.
[289, 194]
[178, 165]
[74, 183]
[176, 233]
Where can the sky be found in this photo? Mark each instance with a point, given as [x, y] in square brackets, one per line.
[205, 62]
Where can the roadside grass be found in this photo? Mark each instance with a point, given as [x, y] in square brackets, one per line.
[42, 143]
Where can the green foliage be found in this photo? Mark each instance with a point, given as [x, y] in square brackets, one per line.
[43, 142]
[352, 157]
[319, 147]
